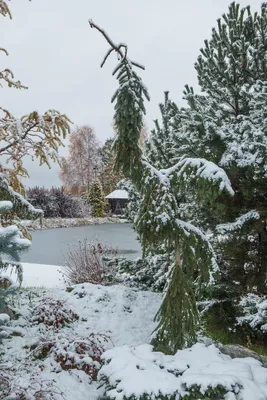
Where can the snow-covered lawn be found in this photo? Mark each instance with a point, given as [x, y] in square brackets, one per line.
[123, 318]
[36, 275]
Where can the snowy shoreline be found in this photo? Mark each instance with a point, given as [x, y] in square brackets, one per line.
[50, 223]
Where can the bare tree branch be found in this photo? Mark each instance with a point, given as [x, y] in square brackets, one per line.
[114, 47]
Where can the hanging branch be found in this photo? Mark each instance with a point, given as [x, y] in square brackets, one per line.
[128, 123]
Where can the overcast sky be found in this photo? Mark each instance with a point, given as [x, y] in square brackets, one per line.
[54, 52]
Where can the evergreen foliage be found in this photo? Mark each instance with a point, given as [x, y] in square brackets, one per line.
[96, 199]
[159, 148]
[158, 221]
[134, 199]
[148, 273]
[227, 125]
[108, 176]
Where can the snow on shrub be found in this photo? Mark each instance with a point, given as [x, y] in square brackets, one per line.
[85, 263]
[254, 310]
[16, 385]
[82, 354]
[199, 372]
[51, 312]
[149, 273]
[74, 353]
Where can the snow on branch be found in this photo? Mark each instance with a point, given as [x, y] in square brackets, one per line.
[17, 199]
[192, 168]
[239, 222]
[189, 229]
[199, 167]
[114, 47]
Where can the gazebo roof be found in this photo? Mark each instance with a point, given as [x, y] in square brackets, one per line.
[118, 194]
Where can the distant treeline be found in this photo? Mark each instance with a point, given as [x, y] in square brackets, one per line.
[55, 203]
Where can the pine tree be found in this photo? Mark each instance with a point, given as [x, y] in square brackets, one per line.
[158, 221]
[96, 199]
[227, 125]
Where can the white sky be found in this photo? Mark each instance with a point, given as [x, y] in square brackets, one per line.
[54, 52]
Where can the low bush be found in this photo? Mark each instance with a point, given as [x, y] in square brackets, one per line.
[14, 386]
[52, 313]
[84, 263]
[149, 273]
[73, 353]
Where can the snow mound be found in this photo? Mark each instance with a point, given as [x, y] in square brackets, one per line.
[51, 358]
[132, 372]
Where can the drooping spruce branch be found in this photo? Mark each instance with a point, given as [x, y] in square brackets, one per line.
[158, 221]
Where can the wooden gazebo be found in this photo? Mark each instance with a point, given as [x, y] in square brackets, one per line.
[117, 200]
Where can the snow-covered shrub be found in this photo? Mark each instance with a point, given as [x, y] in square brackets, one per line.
[56, 203]
[80, 353]
[53, 313]
[149, 273]
[5, 383]
[254, 311]
[15, 386]
[73, 353]
[199, 372]
[85, 263]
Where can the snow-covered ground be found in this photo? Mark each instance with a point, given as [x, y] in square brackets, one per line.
[36, 275]
[49, 223]
[123, 317]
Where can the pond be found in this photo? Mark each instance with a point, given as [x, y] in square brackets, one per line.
[49, 246]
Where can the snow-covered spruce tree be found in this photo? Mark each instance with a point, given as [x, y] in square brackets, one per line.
[227, 125]
[158, 221]
[95, 198]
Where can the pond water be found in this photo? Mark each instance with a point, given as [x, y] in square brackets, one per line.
[49, 246]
